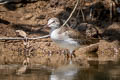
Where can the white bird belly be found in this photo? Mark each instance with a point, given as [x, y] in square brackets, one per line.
[63, 40]
[68, 44]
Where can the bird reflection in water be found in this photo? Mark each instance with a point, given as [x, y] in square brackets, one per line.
[66, 72]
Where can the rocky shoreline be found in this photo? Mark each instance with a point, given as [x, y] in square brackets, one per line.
[31, 17]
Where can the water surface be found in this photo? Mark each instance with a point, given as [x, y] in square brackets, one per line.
[96, 71]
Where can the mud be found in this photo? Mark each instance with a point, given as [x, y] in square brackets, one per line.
[31, 17]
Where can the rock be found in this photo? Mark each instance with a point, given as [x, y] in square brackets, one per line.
[54, 3]
[21, 33]
[73, 22]
[112, 32]
[41, 17]
[16, 1]
[108, 50]
[27, 16]
[8, 1]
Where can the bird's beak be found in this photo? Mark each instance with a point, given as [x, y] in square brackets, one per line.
[45, 26]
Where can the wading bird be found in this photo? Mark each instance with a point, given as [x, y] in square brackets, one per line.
[67, 37]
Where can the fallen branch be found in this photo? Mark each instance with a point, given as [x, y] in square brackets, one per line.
[18, 38]
[82, 14]
[89, 48]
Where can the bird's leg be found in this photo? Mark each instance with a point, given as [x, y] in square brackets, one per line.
[26, 41]
[26, 61]
[65, 52]
[73, 54]
[68, 56]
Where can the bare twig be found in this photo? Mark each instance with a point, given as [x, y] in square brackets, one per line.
[71, 13]
[66, 23]
[82, 14]
[111, 5]
[18, 38]
[91, 15]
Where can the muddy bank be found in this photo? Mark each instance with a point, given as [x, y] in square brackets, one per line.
[31, 17]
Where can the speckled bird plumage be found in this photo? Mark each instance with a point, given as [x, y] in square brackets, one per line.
[66, 37]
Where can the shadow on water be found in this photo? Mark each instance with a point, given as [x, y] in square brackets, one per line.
[96, 71]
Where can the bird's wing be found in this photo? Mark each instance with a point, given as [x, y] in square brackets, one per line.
[78, 36]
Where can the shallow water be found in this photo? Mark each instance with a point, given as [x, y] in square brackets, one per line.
[95, 71]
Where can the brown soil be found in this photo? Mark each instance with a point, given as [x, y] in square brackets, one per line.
[31, 18]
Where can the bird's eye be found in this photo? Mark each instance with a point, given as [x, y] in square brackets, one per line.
[53, 22]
